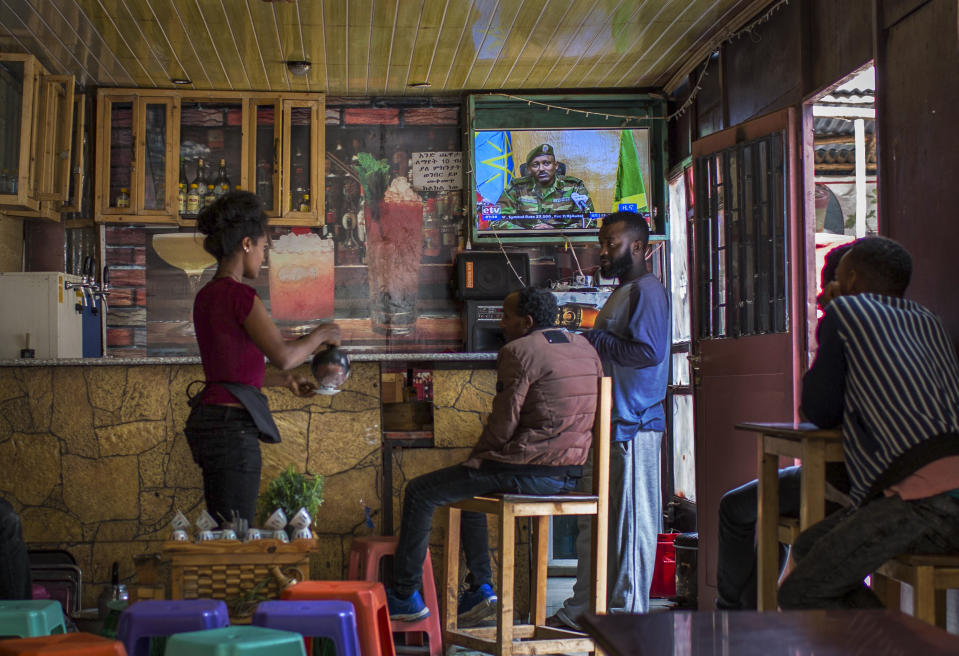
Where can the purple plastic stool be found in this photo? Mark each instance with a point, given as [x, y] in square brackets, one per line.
[150, 618]
[331, 619]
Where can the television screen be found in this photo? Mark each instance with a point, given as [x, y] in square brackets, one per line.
[558, 182]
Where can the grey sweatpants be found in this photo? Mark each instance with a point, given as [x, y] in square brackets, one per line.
[635, 520]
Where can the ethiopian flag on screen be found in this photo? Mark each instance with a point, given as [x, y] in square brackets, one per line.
[629, 189]
[494, 164]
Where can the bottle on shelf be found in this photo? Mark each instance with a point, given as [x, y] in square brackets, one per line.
[183, 180]
[193, 199]
[296, 198]
[123, 198]
[305, 202]
[222, 183]
[210, 195]
[200, 179]
[264, 180]
[181, 195]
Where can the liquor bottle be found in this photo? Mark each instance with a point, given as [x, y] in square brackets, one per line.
[181, 198]
[183, 181]
[123, 199]
[210, 195]
[200, 179]
[305, 202]
[222, 183]
[193, 199]
[296, 198]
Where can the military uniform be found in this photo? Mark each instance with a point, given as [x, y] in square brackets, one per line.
[524, 196]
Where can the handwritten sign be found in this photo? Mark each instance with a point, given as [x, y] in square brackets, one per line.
[437, 171]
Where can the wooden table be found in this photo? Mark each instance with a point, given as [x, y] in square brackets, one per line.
[753, 633]
[815, 447]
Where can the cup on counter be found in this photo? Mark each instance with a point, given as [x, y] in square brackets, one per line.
[301, 519]
[303, 534]
[226, 534]
[203, 536]
[281, 535]
[252, 534]
[277, 520]
[179, 535]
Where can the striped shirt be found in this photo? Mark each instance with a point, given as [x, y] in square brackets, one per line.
[886, 370]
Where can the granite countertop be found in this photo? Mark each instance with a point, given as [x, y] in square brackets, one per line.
[354, 357]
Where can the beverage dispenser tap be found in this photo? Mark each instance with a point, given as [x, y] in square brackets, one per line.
[103, 288]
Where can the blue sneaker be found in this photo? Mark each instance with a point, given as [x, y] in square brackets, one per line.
[476, 606]
[406, 610]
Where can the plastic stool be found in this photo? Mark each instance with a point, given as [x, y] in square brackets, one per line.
[154, 618]
[365, 555]
[63, 644]
[27, 618]
[369, 602]
[236, 641]
[331, 619]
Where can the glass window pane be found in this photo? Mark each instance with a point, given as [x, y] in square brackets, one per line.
[11, 100]
[680, 369]
[684, 459]
[154, 193]
[299, 162]
[265, 156]
[679, 265]
[211, 139]
[121, 153]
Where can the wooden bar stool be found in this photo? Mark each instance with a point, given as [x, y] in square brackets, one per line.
[62, 644]
[929, 575]
[535, 637]
[366, 552]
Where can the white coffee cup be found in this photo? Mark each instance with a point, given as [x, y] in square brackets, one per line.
[277, 520]
[203, 536]
[179, 535]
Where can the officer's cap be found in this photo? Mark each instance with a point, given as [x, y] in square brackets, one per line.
[542, 149]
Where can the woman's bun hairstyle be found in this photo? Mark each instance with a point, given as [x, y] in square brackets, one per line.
[231, 217]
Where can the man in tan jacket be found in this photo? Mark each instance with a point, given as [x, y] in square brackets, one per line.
[536, 441]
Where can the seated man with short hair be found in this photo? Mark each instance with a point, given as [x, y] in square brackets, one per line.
[886, 372]
[535, 441]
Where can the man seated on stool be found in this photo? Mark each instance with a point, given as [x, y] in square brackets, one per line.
[738, 509]
[886, 372]
[535, 441]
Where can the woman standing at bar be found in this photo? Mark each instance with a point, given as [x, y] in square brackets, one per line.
[234, 332]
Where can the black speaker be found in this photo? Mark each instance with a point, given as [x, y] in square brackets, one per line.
[487, 275]
[481, 326]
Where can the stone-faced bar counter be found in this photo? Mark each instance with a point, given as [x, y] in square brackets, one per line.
[96, 463]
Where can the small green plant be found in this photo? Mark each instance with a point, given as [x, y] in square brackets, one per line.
[292, 490]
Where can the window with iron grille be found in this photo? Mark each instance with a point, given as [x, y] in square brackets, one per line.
[741, 240]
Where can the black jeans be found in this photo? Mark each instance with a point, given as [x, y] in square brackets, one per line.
[426, 493]
[15, 579]
[225, 444]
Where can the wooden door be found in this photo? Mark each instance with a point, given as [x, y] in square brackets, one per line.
[747, 306]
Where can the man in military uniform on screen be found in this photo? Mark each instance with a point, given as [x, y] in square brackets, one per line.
[543, 190]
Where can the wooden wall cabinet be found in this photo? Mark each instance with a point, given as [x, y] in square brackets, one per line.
[36, 120]
[151, 141]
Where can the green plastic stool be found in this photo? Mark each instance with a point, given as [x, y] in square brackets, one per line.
[236, 641]
[29, 618]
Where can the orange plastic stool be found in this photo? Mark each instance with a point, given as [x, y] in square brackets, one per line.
[365, 556]
[369, 600]
[62, 644]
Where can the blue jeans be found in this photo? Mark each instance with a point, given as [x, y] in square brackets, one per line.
[15, 579]
[428, 492]
[225, 444]
[834, 556]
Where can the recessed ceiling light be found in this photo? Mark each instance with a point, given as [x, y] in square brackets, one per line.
[298, 66]
[180, 80]
[419, 85]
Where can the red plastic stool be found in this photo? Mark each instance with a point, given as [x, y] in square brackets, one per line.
[365, 556]
[62, 644]
[369, 600]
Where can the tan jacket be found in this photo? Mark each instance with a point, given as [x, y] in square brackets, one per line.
[545, 401]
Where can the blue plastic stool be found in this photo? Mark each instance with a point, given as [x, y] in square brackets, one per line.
[155, 618]
[331, 619]
[236, 641]
[28, 618]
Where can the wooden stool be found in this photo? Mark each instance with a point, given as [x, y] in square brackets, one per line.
[536, 637]
[929, 575]
[63, 644]
[369, 600]
[365, 555]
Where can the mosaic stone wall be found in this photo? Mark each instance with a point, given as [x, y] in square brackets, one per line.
[95, 461]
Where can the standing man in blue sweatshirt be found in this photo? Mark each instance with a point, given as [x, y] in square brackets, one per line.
[886, 372]
[631, 335]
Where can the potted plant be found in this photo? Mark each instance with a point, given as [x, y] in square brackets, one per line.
[290, 491]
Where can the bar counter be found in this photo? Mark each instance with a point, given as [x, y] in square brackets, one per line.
[151, 360]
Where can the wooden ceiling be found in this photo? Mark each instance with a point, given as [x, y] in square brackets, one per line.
[372, 47]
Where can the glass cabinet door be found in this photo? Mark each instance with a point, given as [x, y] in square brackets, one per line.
[212, 152]
[54, 136]
[18, 94]
[154, 191]
[116, 189]
[264, 168]
[302, 146]
[78, 157]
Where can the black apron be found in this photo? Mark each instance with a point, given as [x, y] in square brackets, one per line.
[255, 403]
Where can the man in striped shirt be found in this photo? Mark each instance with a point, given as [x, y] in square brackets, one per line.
[887, 373]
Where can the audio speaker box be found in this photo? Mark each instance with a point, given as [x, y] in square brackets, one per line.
[487, 274]
[482, 331]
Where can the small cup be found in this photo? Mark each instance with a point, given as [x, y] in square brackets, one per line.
[203, 536]
[252, 534]
[179, 535]
[281, 535]
[205, 522]
[277, 520]
[226, 534]
[301, 519]
[180, 522]
[303, 534]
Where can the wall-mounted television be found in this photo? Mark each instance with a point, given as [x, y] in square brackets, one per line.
[547, 175]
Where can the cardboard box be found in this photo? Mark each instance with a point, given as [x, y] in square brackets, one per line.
[393, 388]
